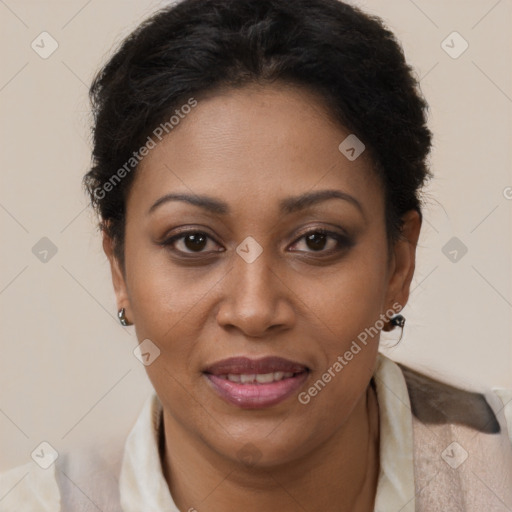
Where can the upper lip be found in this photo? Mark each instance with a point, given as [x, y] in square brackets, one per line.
[246, 365]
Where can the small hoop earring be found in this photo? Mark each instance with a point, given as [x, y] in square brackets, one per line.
[122, 318]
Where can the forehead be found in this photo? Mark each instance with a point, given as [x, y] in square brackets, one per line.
[254, 146]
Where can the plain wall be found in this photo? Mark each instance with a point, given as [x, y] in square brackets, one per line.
[67, 371]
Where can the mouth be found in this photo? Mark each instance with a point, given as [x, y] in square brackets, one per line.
[256, 383]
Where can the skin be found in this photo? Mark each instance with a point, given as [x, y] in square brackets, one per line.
[250, 148]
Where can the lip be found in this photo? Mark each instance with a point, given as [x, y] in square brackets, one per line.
[239, 365]
[255, 395]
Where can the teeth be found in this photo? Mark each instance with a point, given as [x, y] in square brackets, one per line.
[260, 378]
[265, 378]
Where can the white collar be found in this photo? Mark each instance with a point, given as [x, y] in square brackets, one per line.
[395, 488]
[142, 485]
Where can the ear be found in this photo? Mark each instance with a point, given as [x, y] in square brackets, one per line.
[403, 260]
[118, 278]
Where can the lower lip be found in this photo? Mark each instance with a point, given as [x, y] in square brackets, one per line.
[256, 396]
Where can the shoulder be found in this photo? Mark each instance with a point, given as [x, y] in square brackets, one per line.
[461, 445]
[505, 397]
[78, 480]
[29, 488]
[437, 402]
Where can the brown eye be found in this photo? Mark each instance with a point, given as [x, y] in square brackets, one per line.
[318, 239]
[188, 242]
[195, 242]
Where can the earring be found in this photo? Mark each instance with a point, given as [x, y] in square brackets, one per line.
[122, 318]
[396, 321]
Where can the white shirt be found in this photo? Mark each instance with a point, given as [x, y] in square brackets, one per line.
[142, 486]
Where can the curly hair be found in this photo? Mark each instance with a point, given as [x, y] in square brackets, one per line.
[195, 47]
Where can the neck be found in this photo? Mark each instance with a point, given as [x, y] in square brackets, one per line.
[341, 474]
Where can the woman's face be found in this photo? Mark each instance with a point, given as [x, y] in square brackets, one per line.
[251, 277]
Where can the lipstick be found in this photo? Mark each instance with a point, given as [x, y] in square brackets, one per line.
[256, 383]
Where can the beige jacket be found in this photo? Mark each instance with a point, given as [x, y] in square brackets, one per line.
[442, 449]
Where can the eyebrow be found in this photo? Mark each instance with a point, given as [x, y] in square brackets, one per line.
[286, 206]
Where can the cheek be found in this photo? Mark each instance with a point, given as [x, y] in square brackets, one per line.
[348, 306]
[165, 302]
[351, 299]
[161, 292]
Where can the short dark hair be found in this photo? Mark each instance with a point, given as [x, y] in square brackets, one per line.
[198, 46]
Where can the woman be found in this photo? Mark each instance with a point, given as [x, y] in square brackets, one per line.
[257, 171]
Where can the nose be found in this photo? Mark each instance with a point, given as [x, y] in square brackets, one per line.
[256, 299]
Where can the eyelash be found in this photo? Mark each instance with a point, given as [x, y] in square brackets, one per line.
[343, 241]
